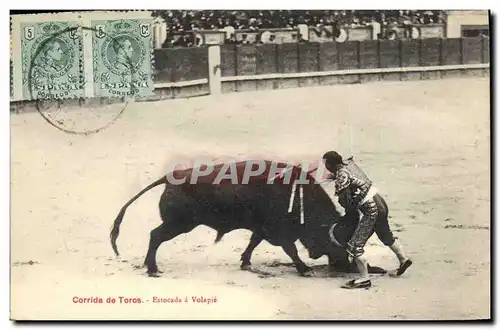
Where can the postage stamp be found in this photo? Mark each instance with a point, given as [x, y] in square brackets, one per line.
[122, 57]
[72, 58]
[51, 57]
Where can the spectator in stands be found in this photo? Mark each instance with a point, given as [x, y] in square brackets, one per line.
[405, 22]
[231, 39]
[244, 39]
[377, 31]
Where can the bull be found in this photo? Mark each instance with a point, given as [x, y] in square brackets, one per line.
[257, 206]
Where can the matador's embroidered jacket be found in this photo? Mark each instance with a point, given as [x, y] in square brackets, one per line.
[350, 189]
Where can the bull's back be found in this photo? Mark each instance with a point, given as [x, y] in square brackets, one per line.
[217, 206]
[255, 203]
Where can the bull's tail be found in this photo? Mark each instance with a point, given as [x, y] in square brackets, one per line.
[116, 225]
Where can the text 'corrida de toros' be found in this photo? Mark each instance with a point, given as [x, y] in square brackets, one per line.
[137, 300]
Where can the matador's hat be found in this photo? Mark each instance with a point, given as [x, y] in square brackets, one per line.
[333, 158]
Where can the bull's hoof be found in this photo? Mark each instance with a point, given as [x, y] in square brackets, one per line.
[342, 268]
[154, 275]
[371, 269]
[154, 272]
[307, 272]
[376, 270]
[246, 267]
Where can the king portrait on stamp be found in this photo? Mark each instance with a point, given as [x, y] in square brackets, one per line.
[124, 52]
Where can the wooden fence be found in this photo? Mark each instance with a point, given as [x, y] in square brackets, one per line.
[184, 64]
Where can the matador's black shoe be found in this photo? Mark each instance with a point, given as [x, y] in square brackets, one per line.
[352, 284]
[404, 267]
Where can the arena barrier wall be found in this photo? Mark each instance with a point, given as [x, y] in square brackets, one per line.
[189, 72]
[261, 67]
[274, 66]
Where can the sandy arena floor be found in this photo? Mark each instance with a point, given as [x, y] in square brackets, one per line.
[425, 144]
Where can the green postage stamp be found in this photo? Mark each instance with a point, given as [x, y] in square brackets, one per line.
[104, 54]
[51, 59]
[122, 53]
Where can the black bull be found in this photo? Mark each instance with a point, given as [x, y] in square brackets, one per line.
[257, 206]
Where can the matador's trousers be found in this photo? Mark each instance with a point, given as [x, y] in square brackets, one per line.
[375, 214]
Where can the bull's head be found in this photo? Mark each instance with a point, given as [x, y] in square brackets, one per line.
[320, 215]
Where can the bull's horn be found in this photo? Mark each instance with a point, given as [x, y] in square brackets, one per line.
[332, 236]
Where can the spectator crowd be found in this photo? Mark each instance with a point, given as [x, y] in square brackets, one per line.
[182, 21]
